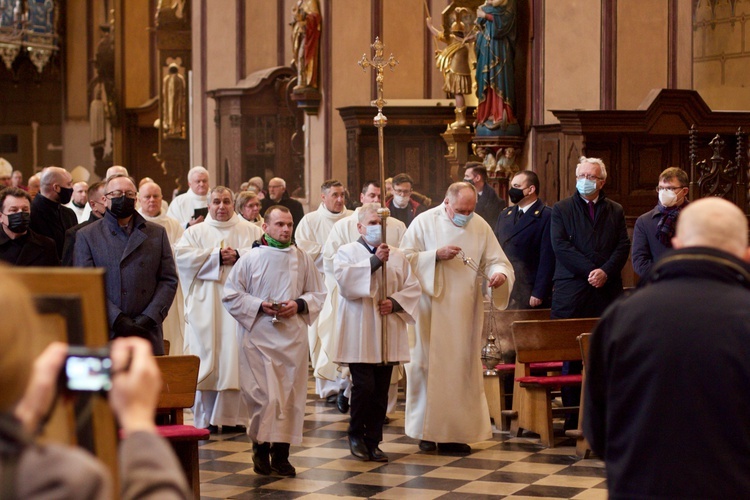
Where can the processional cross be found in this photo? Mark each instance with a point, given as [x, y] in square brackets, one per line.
[379, 63]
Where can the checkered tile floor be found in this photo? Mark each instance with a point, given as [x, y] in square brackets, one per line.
[502, 467]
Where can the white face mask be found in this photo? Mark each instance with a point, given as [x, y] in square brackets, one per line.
[374, 235]
[400, 201]
[668, 198]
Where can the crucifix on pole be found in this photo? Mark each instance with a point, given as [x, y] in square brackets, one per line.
[379, 63]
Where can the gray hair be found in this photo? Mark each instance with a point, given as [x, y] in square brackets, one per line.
[596, 161]
[220, 189]
[280, 180]
[457, 187]
[365, 210]
[195, 170]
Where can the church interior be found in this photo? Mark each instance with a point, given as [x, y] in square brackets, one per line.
[160, 86]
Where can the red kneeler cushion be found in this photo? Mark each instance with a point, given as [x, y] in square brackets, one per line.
[177, 432]
[553, 381]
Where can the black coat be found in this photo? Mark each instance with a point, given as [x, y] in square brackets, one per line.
[581, 246]
[287, 201]
[51, 219]
[489, 205]
[527, 245]
[70, 240]
[37, 250]
[668, 381]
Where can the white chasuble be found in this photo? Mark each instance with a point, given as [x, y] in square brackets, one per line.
[210, 331]
[183, 206]
[174, 323]
[359, 326]
[445, 399]
[273, 357]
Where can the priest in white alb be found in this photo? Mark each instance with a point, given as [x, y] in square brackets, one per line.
[310, 236]
[183, 207]
[343, 232]
[361, 344]
[274, 292]
[204, 255]
[151, 208]
[445, 403]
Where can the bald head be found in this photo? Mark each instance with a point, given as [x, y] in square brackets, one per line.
[53, 180]
[715, 223]
[149, 196]
[116, 170]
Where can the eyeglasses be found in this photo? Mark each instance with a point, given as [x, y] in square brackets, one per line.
[670, 188]
[402, 192]
[119, 194]
[589, 177]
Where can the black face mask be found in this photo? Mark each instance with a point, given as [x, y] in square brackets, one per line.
[65, 195]
[19, 222]
[515, 195]
[122, 207]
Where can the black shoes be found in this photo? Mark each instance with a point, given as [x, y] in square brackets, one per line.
[427, 445]
[377, 455]
[280, 460]
[228, 429]
[358, 447]
[386, 420]
[332, 399]
[342, 402]
[261, 459]
[454, 448]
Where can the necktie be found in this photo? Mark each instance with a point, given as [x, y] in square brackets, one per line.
[519, 214]
[591, 210]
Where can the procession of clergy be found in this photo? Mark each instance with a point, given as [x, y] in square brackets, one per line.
[259, 296]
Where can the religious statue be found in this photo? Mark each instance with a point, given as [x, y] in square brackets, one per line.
[488, 159]
[306, 42]
[174, 8]
[507, 164]
[173, 103]
[495, 49]
[453, 62]
[98, 115]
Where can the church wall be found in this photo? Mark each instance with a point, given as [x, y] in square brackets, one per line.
[403, 35]
[137, 85]
[261, 35]
[684, 76]
[642, 50]
[572, 47]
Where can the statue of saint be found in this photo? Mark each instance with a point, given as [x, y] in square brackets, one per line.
[495, 49]
[173, 106]
[306, 41]
[453, 62]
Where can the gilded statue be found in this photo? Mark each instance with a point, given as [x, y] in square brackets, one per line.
[173, 106]
[306, 26]
[453, 62]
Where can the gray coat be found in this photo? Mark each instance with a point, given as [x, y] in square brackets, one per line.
[140, 277]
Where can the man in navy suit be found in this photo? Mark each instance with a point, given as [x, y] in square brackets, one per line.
[523, 232]
[141, 280]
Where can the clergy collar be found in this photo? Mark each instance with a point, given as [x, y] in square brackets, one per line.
[330, 215]
[233, 221]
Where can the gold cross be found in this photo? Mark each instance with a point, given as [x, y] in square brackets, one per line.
[379, 63]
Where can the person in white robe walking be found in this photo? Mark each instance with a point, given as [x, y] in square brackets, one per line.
[183, 206]
[274, 292]
[445, 401]
[360, 345]
[204, 255]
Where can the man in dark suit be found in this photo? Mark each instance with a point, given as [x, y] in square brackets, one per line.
[401, 205]
[278, 195]
[19, 245]
[489, 204]
[591, 247]
[48, 215]
[523, 231]
[97, 201]
[141, 280]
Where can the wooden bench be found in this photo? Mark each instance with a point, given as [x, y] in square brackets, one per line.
[494, 387]
[583, 449]
[543, 342]
[179, 382]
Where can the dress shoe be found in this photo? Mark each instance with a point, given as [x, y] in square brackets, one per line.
[358, 447]
[427, 445]
[261, 459]
[213, 429]
[386, 420]
[376, 454]
[280, 460]
[342, 402]
[228, 429]
[331, 400]
[454, 448]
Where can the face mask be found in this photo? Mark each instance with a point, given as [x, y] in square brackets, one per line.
[515, 195]
[400, 201]
[585, 186]
[668, 198]
[19, 222]
[461, 220]
[65, 195]
[122, 207]
[374, 235]
[470, 181]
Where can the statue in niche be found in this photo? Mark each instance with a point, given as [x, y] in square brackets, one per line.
[306, 26]
[103, 104]
[174, 7]
[173, 103]
[495, 50]
[98, 116]
[507, 164]
[453, 62]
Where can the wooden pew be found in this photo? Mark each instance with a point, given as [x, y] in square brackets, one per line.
[494, 387]
[179, 382]
[540, 342]
[583, 449]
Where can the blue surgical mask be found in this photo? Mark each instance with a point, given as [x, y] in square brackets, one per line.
[374, 235]
[461, 220]
[585, 186]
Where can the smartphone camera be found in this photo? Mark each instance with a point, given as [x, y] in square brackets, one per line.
[87, 370]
